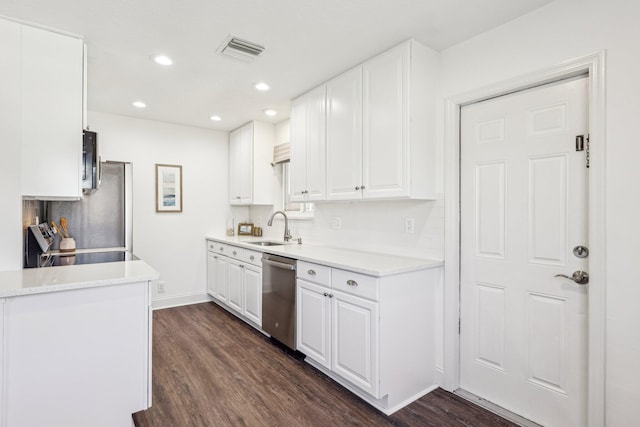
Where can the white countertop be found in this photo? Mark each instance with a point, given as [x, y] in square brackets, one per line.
[51, 279]
[370, 263]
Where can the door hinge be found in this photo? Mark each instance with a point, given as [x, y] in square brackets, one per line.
[459, 326]
[588, 151]
[580, 146]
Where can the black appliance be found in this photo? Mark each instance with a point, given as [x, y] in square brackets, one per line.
[91, 171]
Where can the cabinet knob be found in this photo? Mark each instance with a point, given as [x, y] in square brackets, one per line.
[352, 283]
[210, 246]
[325, 294]
[221, 248]
[357, 188]
[252, 257]
[362, 188]
[238, 197]
[235, 253]
[311, 273]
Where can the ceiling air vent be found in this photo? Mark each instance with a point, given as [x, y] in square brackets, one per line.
[240, 49]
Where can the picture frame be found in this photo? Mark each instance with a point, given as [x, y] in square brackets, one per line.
[168, 188]
[245, 229]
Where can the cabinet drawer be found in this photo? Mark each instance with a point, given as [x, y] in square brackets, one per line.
[355, 284]
[314, 273]
[252, 257]
[219, 248]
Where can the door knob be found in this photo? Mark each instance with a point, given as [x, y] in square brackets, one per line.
[580, 277]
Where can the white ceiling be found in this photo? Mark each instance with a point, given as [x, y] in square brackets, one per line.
[307, 42]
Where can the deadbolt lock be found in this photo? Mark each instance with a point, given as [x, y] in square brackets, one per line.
[581, 251]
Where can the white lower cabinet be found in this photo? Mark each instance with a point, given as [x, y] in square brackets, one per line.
[235, 280]
[373, 335]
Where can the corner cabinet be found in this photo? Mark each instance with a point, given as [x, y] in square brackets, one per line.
[234, 280]
[250, 170]
[308, 166]
[373, 335]
[52, 108]
[382, 144]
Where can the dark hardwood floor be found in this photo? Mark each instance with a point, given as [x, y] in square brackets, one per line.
[211, 369]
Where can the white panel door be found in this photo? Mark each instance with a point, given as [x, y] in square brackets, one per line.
[314, 322]
[234, 281]
[253, 294]
[386, 124]
[344, 136]
[355, 346]
[523, 209]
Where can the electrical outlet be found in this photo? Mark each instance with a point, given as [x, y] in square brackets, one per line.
[336, 223]
[161, 287]
[409, 225]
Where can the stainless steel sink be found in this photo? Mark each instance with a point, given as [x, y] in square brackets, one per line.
[266, 243]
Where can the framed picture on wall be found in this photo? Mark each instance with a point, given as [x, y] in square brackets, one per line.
[168, 188]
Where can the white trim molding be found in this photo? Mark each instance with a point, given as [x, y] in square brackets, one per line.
[593, 66]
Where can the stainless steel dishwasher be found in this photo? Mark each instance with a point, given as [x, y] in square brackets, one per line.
[279, 298]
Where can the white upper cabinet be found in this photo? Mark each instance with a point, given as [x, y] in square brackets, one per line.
[52, 114]
[344, 136]
[308, 141]
[250, 170]
[381, 127]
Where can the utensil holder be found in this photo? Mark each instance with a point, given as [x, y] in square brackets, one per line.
[67, 244]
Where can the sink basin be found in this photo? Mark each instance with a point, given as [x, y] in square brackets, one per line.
[265, 243]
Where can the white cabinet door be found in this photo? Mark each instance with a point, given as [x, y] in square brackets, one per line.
[52, 108]
[253, 294]
[211, 274]
[221, 278]
[308, 141]
[316, 145]
[246, 164]
[355, 341]
[298, 164]
[386, 124]
[234, 280]
[235, 142]
[314, 322]
[344, 136]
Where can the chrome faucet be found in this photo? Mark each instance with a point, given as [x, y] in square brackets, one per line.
[287, 234]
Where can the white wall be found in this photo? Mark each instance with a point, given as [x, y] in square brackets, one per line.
[173, 243]
[561, 31]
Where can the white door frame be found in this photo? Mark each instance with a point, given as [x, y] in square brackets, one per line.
[594, 66]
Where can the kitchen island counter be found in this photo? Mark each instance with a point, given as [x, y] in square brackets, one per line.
[52, 279]
[370, 263]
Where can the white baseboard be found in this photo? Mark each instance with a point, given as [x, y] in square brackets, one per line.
[179, 300]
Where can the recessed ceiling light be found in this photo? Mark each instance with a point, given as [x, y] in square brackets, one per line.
[162, 60]
[139, 104]
[215, 118]
[262, 86]
[270, 112]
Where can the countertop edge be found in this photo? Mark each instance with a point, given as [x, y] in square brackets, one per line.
[414, 264]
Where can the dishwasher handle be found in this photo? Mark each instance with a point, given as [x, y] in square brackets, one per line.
[281, 265]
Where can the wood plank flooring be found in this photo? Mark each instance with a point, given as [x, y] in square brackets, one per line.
[211, 369]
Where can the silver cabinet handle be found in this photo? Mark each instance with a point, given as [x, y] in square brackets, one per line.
[330, 295]
[252, 257]
[352, 283]
[235, 253]
[210, 246]
[281, 265]
[580, 277]
[325, 294]
[221, 249]
[362, 188]
[311, 273]
[357, 188]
